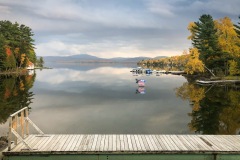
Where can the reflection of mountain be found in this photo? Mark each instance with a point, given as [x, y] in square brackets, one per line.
[14, 94]
[215, 110]
[85, 58]
[89, 66]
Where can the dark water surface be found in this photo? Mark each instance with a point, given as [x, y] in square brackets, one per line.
[100, 99]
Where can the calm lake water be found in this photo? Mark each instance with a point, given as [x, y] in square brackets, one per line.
[98, 99]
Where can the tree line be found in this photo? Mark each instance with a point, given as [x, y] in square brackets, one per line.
[215, 48]
[16, 46]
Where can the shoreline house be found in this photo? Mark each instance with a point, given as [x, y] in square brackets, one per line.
[30, 66]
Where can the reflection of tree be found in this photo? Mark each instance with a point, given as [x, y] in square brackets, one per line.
[230, 117]
[14, 94]
[215, 110]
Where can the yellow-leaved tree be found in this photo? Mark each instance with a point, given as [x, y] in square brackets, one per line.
[194, 64]
[233, 68]
[227, 37]
[190, 27]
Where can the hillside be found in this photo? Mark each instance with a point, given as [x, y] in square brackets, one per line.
[81, 58]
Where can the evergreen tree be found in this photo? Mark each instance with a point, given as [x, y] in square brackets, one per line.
[206, 41]
[237, 28]
[2, 52]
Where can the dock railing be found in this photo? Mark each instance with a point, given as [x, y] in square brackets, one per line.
[19, 128]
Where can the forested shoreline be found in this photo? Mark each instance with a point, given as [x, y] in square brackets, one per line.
[16, 47]
[215, 48]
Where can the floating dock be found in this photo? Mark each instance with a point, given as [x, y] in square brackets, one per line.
[217, 81]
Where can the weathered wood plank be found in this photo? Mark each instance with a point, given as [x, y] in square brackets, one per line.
[106, 143]
[163, 142]
[134, 145]
[78, 143]
[45, 143]
[98, 143]
[145, 143]
[94, 143]
[61, 143]
[53, 143]
[81, 146]
[102, 143]
[139, 148]
[178, 143]
[197, 146]
[149, 143]
[126, 144]
[71, 148]
[114, 141]
[70, 143]
[121, 143]
[187, 143]
[110, 142]
[118, 142]
[203, 143]
[129, 141]
[90, 144]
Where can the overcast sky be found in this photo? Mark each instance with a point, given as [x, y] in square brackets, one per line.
[113, 28]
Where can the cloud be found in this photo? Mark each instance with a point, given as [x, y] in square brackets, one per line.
[110, 28]
[4, 9]
[160, 7]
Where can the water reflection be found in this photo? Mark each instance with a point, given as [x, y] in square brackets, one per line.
[106, 100]
[103, 100]
[14, 94]
[215, 109]
[140, 90]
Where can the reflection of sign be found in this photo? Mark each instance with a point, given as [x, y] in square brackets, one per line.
[140, 90]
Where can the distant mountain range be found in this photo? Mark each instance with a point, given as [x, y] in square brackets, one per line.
[81, 58]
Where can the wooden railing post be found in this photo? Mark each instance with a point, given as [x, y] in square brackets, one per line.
[22, 124]
[10, 134]
[15, 128]
[27, 123]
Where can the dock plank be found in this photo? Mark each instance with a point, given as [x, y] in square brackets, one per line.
[139, 148]
[145, 142]
[114, 141]
[78, 143]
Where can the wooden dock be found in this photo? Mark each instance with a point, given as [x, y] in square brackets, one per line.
[217, 81]
[117, 146]
[126, 143]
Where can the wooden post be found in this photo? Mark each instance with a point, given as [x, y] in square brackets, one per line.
[15, 126]
[10, 134]
[26, 121]
[22, 124]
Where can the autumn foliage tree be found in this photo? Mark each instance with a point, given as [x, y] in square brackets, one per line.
[16, 43]
[194, 64]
